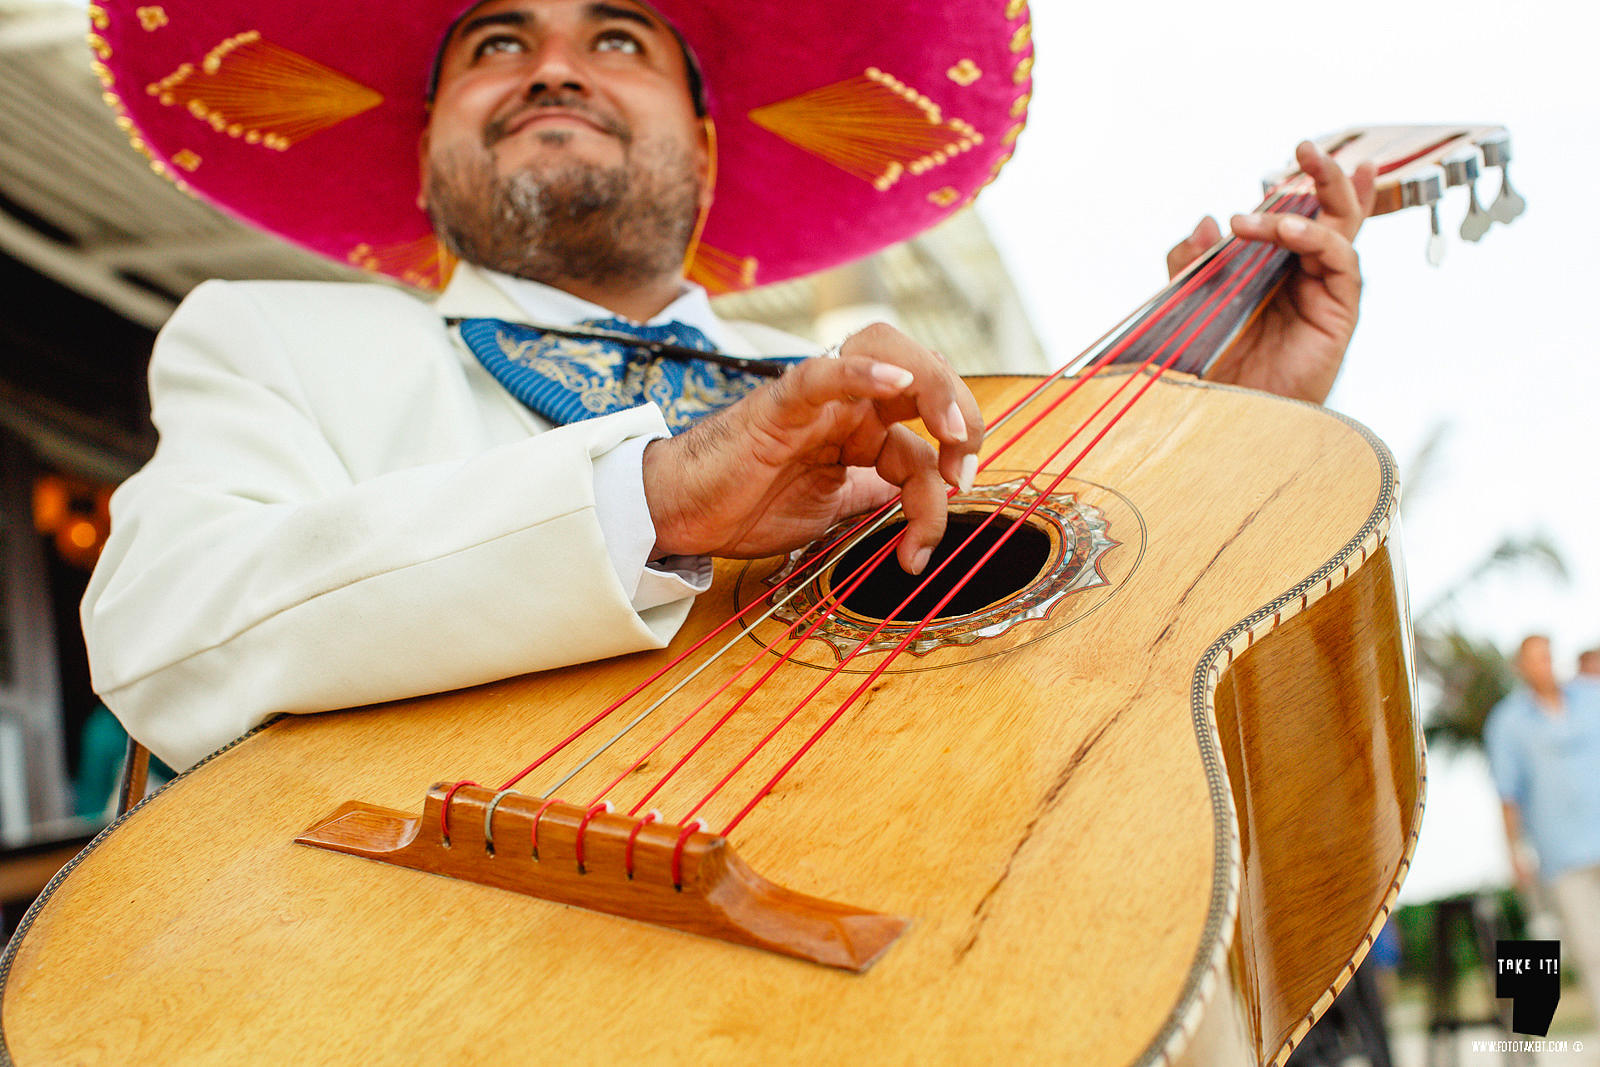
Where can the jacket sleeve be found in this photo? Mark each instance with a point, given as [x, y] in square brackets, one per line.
[282, 555]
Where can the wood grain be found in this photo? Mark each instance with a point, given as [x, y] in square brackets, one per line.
[1165, 822]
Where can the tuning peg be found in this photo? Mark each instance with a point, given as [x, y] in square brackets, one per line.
[1436, 241]
[1478, 221]
[1508, 205]
[1462, 169]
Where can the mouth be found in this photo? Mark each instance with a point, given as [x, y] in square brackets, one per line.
[552, 117]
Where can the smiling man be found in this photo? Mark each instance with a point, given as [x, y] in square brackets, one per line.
[363, 493]
[589, 178]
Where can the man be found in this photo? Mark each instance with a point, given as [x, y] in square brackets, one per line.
[1588, 666]
[1543, 743]
[350, 505]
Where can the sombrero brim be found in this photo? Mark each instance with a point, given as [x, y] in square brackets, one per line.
[841, 127]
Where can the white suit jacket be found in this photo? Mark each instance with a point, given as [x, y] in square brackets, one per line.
[345, 508]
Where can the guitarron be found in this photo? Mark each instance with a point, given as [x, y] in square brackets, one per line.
[1137, 786]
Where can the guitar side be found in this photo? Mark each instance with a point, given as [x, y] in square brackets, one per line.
[1159, 823]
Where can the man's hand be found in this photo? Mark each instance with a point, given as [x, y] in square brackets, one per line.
[825, 441]
[1294, 347]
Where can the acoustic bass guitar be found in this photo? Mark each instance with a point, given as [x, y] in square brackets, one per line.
[1131, 777]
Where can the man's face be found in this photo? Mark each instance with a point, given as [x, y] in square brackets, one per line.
[563, 141]
[1534, 662]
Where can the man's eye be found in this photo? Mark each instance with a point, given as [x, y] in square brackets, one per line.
[495, 44]
[618, 41]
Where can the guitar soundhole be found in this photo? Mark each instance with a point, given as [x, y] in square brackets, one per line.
[883, 594]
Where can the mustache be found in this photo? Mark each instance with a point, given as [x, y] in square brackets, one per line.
[498, 129]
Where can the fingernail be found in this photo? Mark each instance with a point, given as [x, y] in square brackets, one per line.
[1293, 225]
[955, 422]
[889, 374]
[919, 562]
[969, 471]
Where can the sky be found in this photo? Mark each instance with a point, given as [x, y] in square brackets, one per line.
[1147, 116]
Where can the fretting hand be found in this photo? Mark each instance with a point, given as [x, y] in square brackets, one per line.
[1294, 347]
[825, 441]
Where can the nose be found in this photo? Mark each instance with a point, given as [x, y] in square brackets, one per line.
[557, 64]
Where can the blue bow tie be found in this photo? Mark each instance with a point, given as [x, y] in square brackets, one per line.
[567, 377]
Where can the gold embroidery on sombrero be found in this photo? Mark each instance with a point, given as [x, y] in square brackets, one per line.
[187, 160]
[872, 126]
[945, 197]
[249, 88]
[423, 262]
[1019, 40]
[1020, 104]
[99, 46]
[721, 272]
[99, 18]
[1015, 8]
[151, 18]
[1023, 71]
[964, 73]
[994, 172]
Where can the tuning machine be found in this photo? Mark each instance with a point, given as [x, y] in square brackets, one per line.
[1462, 169]
[1497, 153]
[1425, 187]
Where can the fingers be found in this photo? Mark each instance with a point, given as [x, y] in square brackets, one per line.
[1323, 249]
[907, 461]
[1323, 244]
[1346, 199]
[901, 381]
[942, 400]
[1186, 251]
[904, 381]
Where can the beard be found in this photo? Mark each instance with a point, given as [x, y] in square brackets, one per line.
[569, 220]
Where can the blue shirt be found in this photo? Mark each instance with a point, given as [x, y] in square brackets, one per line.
[1549, 767]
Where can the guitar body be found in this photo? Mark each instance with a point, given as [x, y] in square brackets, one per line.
[1156, 819]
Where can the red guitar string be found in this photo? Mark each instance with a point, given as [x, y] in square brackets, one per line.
[819, 611]
[1181, 345]
[1194, 329]
[677, 852]
[533, 833]
[444, 812]
[687, 653]
[633, 840]
[606, 712]
[819, 614]
[583, 826]
[1209, 268]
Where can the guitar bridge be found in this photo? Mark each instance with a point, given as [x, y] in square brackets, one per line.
[679, 877]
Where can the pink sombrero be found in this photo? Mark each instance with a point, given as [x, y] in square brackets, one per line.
[842, 127]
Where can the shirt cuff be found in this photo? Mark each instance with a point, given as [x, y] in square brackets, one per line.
[624, 517]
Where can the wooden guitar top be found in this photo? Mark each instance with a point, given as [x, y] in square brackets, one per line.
[1159, 821]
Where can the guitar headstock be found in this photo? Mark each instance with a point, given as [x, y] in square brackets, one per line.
[1417, 164]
